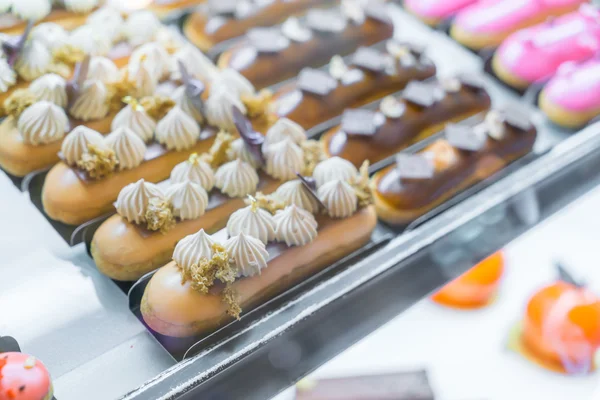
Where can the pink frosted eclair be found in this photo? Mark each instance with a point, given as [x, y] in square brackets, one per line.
[572, 97]
[435, 11]
[488, 22]
[23, 377]
[534, 54]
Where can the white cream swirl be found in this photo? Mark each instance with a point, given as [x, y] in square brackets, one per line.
[177, 130]
[50, 35]
[252, 221]
[236, 179]
[103, 69]
[189, 200]
[145, 81]
[128, 147]
[80, 6]
[137, 119]
[192, 249]
[238, 149]
[31, 9]
[133, 199]
[109, 20]
[232, 81]
[194, 170]
[294, 192]
[295, 226]
[43, 122]
[8, 77]
[91, 40]
[183, 101]
[34, 61]
[248, 254]
[339, 198]
[334, 168]
[141, 27]
[284, 159]
[219, 109]
[76, 143]
[50, 87]
[153, 54]
[91, 103]
[196, 63]
[282, 129]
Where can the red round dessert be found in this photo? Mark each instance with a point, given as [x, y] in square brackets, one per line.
[23, 377]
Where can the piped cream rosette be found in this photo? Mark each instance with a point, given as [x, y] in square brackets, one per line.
[265, 251]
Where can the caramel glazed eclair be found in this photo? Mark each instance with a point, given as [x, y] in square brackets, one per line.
[217, 21]
[417, 183]
[270, 55]
[421, 110]
[49, 48]
[209, 280]
[93, 171]
[39, 117]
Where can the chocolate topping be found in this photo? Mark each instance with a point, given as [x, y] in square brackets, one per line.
[414, 166]
[361, 122]
[76, 83]
[472, 81]
[13, 47]
[421, 94]
[464, 137]
[370, 59]
[252, 139]
[316, 81]
[378, 10]
[193, 88]
[268, 40]
[311, 186]
[326, 21]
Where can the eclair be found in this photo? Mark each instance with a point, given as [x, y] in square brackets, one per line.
[417, 183]
[211, 281]
[217, 21]
[317, 96]
[420, 111]
[270, 55]
[204, 192]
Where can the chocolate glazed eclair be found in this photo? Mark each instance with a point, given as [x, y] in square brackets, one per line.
[218, 21]
[422, 109]
[271, 55]
[418, 183]
[318, 96]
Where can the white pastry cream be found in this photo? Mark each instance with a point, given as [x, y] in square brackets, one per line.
[109, 20]
[189, 200]
[128, 147]
[31, 9]
[91, 40]
[196, 63]
[219, 109]
[284, 160]
[294, 192]
[154, 55]
[282, 129]
[339, 198]
[177, 130]
[232, 81]
[8, 77]
[295, 226]
[103, 69]
[141, 27]
[238, 149]
[334, 168]
[252, 221]
[248, 254]
[193, 248]
[194, 170]
[43, 122]
[34, 60]
[92, 102]
[76, 143]
[50, 35]
[133, 199]
[183, 101]
[236, 179]
[50, 87]
[80, 6]
[135, 117]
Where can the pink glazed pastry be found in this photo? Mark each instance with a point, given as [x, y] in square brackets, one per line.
[488, 22]
[432, 12]
[534, 55]
[23, 377]
[572, 97]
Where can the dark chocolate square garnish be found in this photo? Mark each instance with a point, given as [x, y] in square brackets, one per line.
[465, 137]
[420, 94]
[268, 40]
[360, 122]
[326, 21]
[414, 166]
[378, 10]
[370, 59]
[473, 82]
[222, 7]
[517, 118]
[316, 81]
